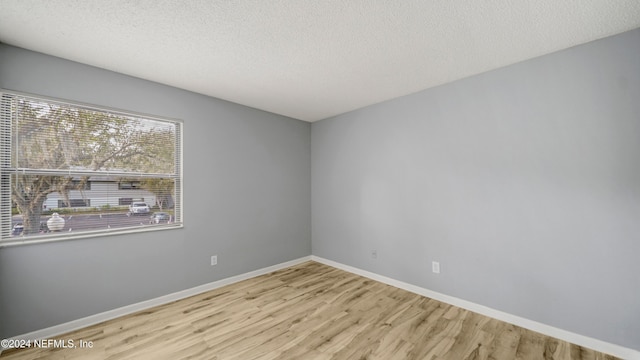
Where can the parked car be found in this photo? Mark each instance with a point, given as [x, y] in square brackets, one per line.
[159, 217]
[17, 229]
[138, 208]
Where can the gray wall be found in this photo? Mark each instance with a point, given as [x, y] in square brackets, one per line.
[524, 183]
[247, 199]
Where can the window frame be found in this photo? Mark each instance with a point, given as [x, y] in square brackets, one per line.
[7, 172]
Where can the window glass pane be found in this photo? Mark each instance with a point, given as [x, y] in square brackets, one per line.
[104, 207]
[75, 169]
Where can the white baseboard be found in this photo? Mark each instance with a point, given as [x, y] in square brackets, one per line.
[580, 340]
[130, 309]
[595, 344]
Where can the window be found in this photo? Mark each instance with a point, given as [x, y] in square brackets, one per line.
[74, 203]
[129, 185]
[86, 166]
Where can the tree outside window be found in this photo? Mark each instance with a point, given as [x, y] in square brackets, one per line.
[71, 159]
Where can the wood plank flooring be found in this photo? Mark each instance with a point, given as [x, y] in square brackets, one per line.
[309, 311]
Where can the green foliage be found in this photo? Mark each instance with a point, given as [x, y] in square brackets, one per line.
[63, 211]
[163, 190]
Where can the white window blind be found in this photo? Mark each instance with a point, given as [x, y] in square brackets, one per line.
[99, 171]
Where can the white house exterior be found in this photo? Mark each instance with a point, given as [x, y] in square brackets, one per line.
[101, 193]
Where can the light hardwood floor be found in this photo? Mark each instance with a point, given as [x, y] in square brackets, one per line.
[309, 311]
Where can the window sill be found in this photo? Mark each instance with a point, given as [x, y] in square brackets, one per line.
[57, 237]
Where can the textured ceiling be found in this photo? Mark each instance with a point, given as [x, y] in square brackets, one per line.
[308, 59]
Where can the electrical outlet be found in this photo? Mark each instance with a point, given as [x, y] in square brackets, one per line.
[214, 260]
[374, 254]
[435, 267]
